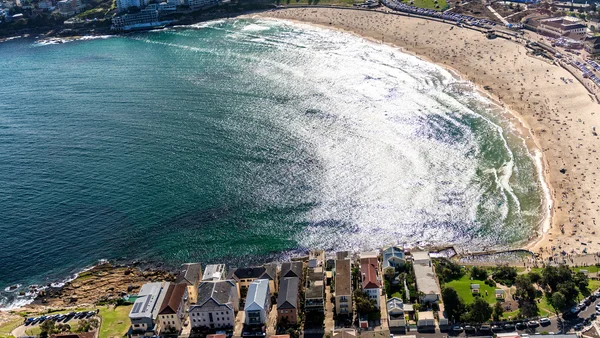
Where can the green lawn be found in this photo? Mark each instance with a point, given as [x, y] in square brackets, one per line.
[115, 322]
[463, 288]
[6, 328]
[429, 4]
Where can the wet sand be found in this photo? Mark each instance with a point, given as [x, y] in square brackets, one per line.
[556, 118]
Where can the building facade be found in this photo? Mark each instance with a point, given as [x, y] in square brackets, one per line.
[173, 311]
[217, 305]
[258, 302]
[288, 301]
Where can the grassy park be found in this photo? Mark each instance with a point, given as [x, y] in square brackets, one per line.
[115, 322]
[429, 4]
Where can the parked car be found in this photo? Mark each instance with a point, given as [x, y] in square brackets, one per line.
[469, 329]
[521, 326]
[509, 327]
[485, 329]
[544, 321]
[496, 328]
[533, 323]
[457, 328]
[578, 327]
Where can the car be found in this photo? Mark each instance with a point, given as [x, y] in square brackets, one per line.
[578, 327]
[575, 309]
[524, 335]
[533, 323]
[469, 329]
[544, 321]
[457, 328]
[496, 328]
[509, 327]
[597, 294]
[521, 326]
[587, 301]
[485, 328]
[592, 316]
[551, 332]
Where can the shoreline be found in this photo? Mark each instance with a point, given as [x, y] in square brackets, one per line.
[534, 148]
[381, 27]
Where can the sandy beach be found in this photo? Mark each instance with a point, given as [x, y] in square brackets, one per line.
[556, 118]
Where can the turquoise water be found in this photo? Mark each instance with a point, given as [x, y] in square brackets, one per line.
[243, 140]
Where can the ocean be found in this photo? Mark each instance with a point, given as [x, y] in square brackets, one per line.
[241, 141]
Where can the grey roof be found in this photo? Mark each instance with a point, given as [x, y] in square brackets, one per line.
[288, 293]
[149, 299]
[392, 253]
[258, 291]
[395, 304]
[268, 271]
[426, 279]
[315, 289]
[213, 272]
[343, 278]
[219, 291]
[291, 269]
[189, 274]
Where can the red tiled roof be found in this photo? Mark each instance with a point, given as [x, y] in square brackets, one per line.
[173, 299]
[368, 270]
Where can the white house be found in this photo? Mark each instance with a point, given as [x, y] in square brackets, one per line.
[145, 309]
[216, 307]
[393, 257]
[427, 282]
[395, 310]
[258, 302]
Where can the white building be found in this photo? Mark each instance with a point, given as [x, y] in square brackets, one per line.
[216, 307]
[258, 302]
[214, 273]
[427, 282]
[123, 5]
[145, 310]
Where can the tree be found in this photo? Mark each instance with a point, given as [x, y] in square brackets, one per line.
[498, 311]
[47, 328]
[453, 305]
[558, 302]
[535, 277]
[526, 295]
[479, 273]
[505, 274]
[363, 304]
[480, 311]
[582, 283]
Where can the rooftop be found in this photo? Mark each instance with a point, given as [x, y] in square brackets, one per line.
[288, 293]
[173, 298]
[149, 299]
[392, 254]
[368, 270]
[291, 269]
[220, 292]
[343, 277]
[315, 289]
[426, 279]
[268, 271]
[420, 255]
[258, 293]
[213, 272]
[189, 273]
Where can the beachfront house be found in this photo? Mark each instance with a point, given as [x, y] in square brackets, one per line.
[258, 302]
[371, 281]
[343, 287]
[315, 291]
[395, 311]
[426, 280]
[144, 311]
[190, 274]
[393, 257]
[288, 301]
[217, 305]
[291, 269]
[246, 276]
[214, 273]
[173, 310]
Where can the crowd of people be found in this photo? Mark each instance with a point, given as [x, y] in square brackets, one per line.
[460, 18]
